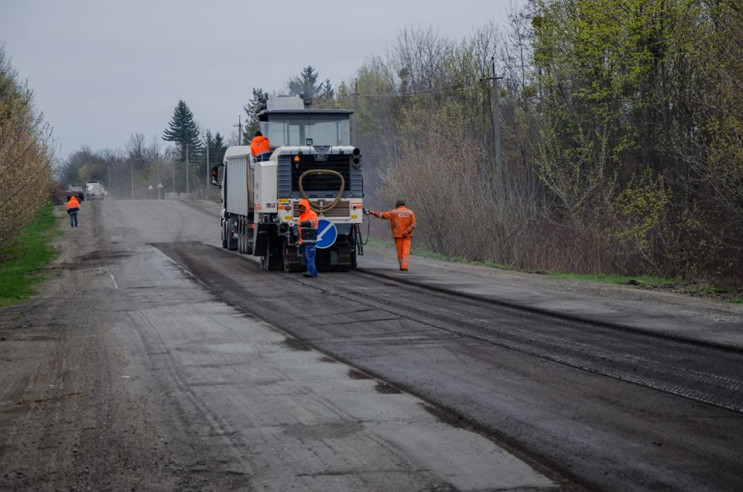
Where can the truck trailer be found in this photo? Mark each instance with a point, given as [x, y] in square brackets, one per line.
[311, 158]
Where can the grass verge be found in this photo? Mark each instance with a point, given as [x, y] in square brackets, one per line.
[658, 283]
[21, 264]
[640, 282]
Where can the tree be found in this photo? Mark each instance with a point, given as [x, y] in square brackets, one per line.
[26, 156]
[184, 131]
[258, 103]
[215, 147]
[306, 84]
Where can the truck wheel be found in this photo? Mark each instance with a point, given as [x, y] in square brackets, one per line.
[240, 237]
[231, 242]
[224, 235]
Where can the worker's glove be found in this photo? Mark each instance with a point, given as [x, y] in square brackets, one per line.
[290, 223]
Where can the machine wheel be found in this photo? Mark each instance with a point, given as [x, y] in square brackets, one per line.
[344, 257]
[241, 238]
[292, 262]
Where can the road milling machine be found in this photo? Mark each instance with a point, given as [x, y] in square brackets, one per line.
[311, 157]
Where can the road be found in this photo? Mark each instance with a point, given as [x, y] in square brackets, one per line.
[157, 360]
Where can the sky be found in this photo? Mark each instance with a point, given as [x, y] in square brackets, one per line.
[103, 70]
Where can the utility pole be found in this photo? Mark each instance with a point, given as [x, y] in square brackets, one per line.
[239, 131]
[206, 181]
[188, 189]
[353, 118]
[497, 134]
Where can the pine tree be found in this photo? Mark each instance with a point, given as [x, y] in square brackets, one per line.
[257, 104]
[216, 147]
[183, 130]
[306, 84]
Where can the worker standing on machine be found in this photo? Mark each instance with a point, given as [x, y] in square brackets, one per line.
[402, 223]
[260, 147]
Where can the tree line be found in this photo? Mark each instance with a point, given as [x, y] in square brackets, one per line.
[589, 136]
[621, 137]
[26, 156]
[182, 168]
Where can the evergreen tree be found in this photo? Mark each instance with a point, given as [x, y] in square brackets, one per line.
[183, 130]
[257, 104]
[215, 147]
[306, 83]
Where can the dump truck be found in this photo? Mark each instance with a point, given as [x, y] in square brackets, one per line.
[311, 157]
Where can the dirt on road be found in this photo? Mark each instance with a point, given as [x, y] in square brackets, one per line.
[71, 415]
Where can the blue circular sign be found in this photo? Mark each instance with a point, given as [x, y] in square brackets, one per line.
[327, 233]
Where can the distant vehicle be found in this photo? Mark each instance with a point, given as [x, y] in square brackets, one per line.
[75, 191]
[94, 191]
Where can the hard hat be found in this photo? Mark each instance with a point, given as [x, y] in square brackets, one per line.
[400, 203]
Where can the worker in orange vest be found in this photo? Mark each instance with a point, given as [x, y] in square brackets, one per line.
[73, 207]
[307, 219]
[402, 223]
[260, 147]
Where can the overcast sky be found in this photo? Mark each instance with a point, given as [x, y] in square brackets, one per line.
[102, 70]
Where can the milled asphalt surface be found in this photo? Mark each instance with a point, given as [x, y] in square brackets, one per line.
[674, 315]
[667, 314]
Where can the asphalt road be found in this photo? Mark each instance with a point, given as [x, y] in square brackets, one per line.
[157, 360]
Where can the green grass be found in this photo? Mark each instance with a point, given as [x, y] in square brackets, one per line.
[637, 281]
[21, 264]
[640, 282]
[658, 283]
[379, 243]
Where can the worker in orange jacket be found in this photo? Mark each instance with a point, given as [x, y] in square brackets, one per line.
[260, 147]
[307, 218]
[402, 223]
[73, 207]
